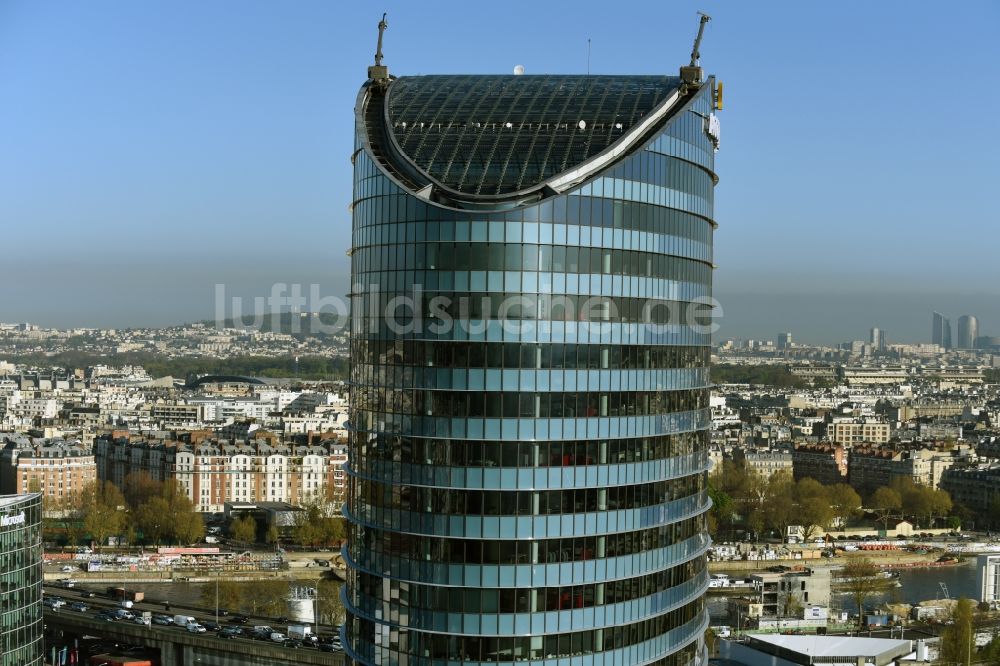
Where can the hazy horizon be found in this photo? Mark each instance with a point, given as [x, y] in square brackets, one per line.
[153, 150]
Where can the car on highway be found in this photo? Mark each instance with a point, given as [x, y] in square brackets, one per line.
[104, 616]
[195, 628]
[278, 637]
[293, 643]
[239, 619]
[230, 632]
[87, 594]
[79, 607]
[68, 569]
[139, 619]
[164, 620]
[330, 647]
[211, 626]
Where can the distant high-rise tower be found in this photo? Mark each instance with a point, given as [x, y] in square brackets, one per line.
[941, 330]
[968, 331]
[877, 338]
[784, 340]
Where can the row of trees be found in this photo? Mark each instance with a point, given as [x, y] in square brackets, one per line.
[757, 503]
[268, 598]
[143, 511]
[318, 525]
[902, 498]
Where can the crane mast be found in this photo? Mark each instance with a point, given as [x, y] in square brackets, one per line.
[692, 74]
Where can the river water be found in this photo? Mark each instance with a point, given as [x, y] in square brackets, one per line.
[916, 585]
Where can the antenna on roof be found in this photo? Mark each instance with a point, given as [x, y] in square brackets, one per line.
[378, 72]
[588, 56]
[692, 74]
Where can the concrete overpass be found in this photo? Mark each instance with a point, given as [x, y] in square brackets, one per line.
[178, 647]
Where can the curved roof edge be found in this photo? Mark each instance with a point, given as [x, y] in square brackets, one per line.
[392, 158]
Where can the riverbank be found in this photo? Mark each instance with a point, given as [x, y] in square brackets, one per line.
[888, 559]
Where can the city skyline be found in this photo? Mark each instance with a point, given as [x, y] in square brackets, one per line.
[165, 134]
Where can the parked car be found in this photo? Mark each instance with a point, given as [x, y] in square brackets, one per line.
[68, 569]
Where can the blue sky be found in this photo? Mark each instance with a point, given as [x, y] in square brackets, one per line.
[151, 150]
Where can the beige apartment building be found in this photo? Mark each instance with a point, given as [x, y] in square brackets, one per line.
[215, 471]
[55, 468]
[858, 432]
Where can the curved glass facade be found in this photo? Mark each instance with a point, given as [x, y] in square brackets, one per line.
[529, 375]
[21, 580]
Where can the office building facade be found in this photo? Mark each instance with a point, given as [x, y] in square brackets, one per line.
[21, 580]
[941, 330]
[968, 331]
[528, 443]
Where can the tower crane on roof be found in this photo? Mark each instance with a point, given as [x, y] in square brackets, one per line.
[692, 74]
[378, 72]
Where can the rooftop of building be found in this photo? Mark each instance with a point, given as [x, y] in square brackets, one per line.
[879, 650]
[496, 134]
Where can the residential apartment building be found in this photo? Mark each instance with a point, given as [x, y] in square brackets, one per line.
[212, 472]
[977, 488]
[767, 463]
[871, 467]
[54, 468]
[859, 432]
[827, 463]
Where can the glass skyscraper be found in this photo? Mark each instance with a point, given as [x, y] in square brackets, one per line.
[529, 364]
[21, 580]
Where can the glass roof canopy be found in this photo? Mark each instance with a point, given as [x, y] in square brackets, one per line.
[495, 135]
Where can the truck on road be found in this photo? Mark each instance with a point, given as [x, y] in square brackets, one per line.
[299, 631]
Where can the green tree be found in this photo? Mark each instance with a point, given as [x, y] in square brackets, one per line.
[317, 524]
[779, 503]
[186, 524]
[104, 512]
[329, 603]
[886, 503]
[231, 594]
[812, 501]
[844, 502]
[272, 535]
[956, 645]
[266, 597]
[243, 529]
[153, 519]
[939, 504]
[862, 580]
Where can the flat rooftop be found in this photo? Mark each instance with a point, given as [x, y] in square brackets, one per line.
[795, 648]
